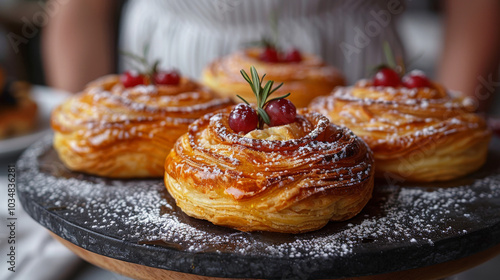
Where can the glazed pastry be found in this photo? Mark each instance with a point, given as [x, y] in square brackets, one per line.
[292, 177]
[305, 76]
[118, 127]
[415, 128]
[18, 112]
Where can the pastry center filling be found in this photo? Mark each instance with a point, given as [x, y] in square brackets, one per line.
[278, 133]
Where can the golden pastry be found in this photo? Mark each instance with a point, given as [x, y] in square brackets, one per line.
[125, 132]
[415, 128]
[291, 178]
[305, 78]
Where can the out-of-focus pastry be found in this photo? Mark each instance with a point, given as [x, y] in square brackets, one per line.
[415, 128]
[123, 126]
[282, 171]
[18, 112]
[304, 75]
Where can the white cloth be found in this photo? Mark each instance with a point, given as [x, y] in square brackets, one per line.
[348, 34]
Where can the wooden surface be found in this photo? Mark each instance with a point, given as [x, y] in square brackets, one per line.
[142, 272]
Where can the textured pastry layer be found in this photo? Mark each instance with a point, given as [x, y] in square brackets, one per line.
[112, 131]
[314, 173]
[305, 80]
[415, 134]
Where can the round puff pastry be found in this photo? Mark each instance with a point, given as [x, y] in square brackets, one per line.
[304, 80]
[112, 131]
[420, 134]
[292, 178]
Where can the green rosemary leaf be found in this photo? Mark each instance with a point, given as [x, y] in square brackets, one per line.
[273, 23]
[145, 50]
[136, 66]
[275, 89]
[265, 92]
[262, 79]
[268, 43]
[154, 68]
[258, 43]
[264, 115]
[137, 59]
[389, 56]
[133, 56]
[242, 99]
[136, 62]
[256, 83]
[281, 97]
[263, 43]
[245, 76]
[261, 93]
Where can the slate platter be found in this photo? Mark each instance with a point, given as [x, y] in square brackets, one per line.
[404, 226]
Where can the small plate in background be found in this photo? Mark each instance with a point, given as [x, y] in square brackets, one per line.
[47, 99]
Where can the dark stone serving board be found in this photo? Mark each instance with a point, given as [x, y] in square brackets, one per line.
[404, 226]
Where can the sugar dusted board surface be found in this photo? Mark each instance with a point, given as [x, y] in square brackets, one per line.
[404, 226]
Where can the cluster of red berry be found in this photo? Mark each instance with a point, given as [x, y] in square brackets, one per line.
[388, 77]
[134, 78]
[244, 118]
[273, 112]
[272, 55]
[280, 111]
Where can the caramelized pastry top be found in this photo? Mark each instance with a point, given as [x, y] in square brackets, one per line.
[106, 111]
[395, 120]
[310, 68]
[320, 157]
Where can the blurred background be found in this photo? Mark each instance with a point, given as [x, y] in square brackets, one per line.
[20, 57]
[422, 29]
[429, 40]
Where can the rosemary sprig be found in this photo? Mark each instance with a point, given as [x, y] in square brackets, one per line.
[265, 42]
[268, 41]
[273, 23]
[397, 64]
[389, 56]
[261, 93]
[148, 69]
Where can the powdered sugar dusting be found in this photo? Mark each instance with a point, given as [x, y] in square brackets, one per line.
[142, 212]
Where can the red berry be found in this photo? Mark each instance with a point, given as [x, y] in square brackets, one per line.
[171, 77]
[269, 54]
[386, 77]
[131, 79]
[281, 112]
[243, 118]
[293, 56]
[416, 79]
